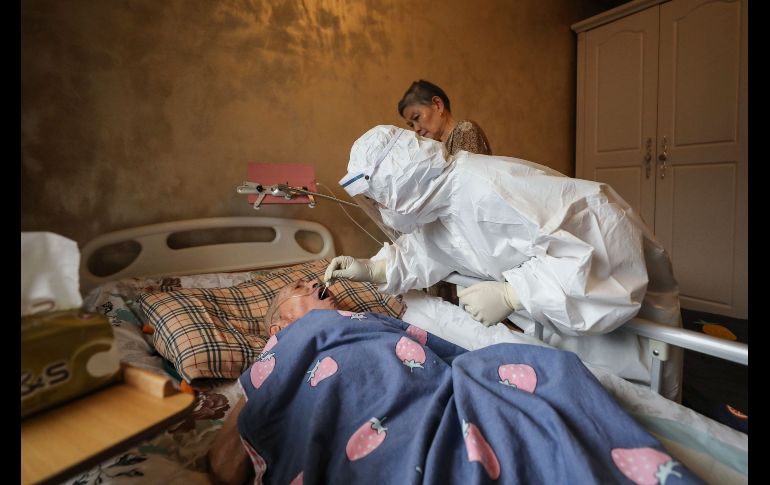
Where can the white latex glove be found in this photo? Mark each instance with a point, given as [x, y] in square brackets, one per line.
[356, 270]
[489, 302]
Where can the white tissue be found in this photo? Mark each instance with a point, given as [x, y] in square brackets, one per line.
[49, 273]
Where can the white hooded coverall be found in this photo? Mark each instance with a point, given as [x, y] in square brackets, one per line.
[579, 259]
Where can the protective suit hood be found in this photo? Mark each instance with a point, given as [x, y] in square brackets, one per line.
[401, 171]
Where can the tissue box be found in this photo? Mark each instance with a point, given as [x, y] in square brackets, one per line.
[64, 354]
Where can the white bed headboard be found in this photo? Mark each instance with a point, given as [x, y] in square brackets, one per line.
[156, 257]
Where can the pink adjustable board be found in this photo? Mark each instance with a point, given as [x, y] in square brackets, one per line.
[294, 174]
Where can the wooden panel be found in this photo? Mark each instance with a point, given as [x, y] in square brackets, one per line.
[619, 68]
[620, 112]
[706, 49]
[580, 124]
[700, 80]
[702, 227]
[702, 115]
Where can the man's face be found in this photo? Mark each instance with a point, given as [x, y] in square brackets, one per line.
[298, 298]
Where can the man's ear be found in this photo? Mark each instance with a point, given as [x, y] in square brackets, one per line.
[280, 323]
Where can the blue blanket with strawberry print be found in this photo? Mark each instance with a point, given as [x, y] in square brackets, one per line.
[340, 397]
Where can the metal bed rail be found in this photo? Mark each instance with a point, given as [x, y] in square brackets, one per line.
[661, 337]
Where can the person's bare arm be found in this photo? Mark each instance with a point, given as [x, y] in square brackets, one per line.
[228, 462]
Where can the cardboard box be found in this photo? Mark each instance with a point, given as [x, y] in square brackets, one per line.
[65, 354]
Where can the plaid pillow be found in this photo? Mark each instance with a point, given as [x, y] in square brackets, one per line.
[219, 332]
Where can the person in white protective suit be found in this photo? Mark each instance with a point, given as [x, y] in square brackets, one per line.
[570, 254]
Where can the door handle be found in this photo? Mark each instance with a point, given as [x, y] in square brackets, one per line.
[663, 158]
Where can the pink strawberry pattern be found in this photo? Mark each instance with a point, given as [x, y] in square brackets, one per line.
[322, 369]
[298, 479]
[518, 376]
[417, 334]
[645, 466]
[256, 460]
[479, 450]
[366, 439]
[271, 342]
[410, 353]
[261, 369]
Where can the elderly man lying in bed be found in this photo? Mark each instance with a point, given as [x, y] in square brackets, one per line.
[342, 397]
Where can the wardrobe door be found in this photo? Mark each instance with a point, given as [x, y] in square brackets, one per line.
[620, 108]
[702, 166]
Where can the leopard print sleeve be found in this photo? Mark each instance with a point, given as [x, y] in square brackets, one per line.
[468, 136]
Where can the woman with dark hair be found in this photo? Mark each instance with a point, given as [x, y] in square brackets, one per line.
[426, 109]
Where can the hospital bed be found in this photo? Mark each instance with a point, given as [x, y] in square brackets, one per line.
[717, 453]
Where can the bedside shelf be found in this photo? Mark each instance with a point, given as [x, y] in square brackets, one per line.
[59, 443]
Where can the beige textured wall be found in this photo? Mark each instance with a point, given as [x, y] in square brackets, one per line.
[143, 111]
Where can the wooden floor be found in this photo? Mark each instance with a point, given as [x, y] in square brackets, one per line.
[710, 384]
